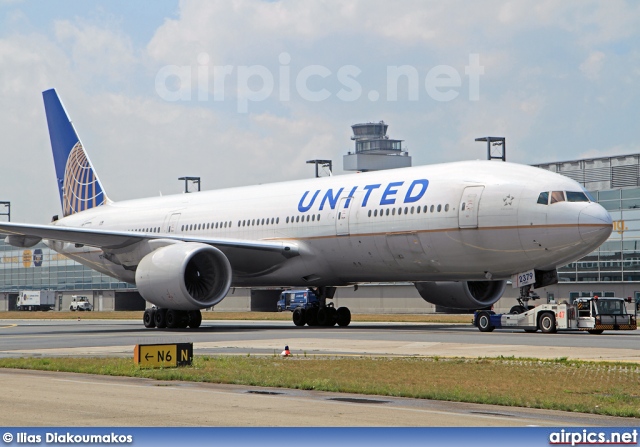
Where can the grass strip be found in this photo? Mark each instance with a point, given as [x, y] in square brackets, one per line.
[251, 316]
[588, 387]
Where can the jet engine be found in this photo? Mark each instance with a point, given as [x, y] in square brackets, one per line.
[461, 294]
[184, 276]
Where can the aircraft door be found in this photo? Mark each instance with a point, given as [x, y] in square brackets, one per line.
[172, 224]
[342, 217]
[468, 209]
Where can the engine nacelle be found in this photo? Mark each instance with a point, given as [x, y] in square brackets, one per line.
[461, 294]
[184, 276]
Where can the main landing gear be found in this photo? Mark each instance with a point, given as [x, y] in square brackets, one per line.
[324, 314]
[171, 318]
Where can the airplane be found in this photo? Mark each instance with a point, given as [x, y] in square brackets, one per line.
[459, 231]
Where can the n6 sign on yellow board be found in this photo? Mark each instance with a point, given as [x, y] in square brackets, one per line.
[163, 355]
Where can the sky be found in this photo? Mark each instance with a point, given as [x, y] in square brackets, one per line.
[244, 92]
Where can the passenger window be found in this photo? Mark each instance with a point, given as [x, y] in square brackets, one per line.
[557, 196]
[543, 198]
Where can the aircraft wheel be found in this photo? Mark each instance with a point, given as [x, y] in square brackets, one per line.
[333, 316]
[548, 323]
[343, 316]
[484, 322]
[325, 316]
[517, 310]
[299, 317]
[311, 316]
[173, 318]
[149, 318]
[596, 331]
[195, 319]
[183, 319]
[161, 318]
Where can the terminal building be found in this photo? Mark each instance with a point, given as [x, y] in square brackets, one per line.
[612, 270]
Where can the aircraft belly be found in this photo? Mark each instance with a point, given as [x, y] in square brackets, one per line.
[468, 252]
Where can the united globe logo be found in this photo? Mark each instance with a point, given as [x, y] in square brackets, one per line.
[81, 190]
[38, 257]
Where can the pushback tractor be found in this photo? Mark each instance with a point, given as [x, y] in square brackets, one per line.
[592, 314]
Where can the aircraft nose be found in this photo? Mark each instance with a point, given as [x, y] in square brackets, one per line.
[595, 224]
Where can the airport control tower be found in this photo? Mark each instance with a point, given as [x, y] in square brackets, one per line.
[374, 150]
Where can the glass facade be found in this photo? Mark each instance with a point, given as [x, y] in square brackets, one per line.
[40, 268]
[618, 259]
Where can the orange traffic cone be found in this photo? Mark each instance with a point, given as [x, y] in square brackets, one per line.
[286, 352]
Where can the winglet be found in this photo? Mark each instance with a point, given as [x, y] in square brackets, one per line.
[79, 186]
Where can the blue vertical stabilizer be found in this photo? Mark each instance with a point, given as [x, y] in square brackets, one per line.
[79, 186]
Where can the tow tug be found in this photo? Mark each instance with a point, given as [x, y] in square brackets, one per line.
[592, 314]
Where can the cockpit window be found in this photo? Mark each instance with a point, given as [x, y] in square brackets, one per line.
[557, 196]
[573, 196]
[591, 199]
[543, 198]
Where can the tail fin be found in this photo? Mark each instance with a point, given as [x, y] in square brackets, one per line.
[80, 188]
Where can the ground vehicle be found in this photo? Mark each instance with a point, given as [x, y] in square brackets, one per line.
[306, 309]
[592, 314]
[292, 299]
[80, 303]
[36, 300]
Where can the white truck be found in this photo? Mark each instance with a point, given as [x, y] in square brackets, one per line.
[80, 303]
[36, 300]
[591, 314]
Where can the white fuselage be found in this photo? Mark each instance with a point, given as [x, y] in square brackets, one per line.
[471, 220]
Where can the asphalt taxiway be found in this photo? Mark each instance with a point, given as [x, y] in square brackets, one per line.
[75, 399]
[118, 337]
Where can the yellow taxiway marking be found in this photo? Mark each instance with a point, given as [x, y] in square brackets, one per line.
[8, 326]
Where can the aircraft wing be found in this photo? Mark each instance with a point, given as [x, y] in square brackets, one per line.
[244, 255]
